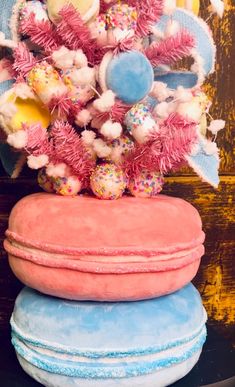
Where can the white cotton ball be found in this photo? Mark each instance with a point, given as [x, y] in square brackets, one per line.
[183, 95]
[160, 91]
[84, 76]
[23, 91]
[217, 7]
[216, 126]
[172, 28]
[141, 132]
[162, 110]
[57, 170]
[63, 58]
[105, 102]
[88, 137]
[169, 7]
[83, 118]
[101, 148]
[211, 148]
[191, 110]
[18, 139]
[37, 162]
[111, 130]
[80, 59]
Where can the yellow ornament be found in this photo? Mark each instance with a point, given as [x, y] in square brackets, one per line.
[88, 9]
[29, 111]
[190, 5]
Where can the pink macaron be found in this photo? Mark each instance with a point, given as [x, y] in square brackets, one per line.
[84, 249]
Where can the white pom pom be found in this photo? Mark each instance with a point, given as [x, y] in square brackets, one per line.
[18, 139]
[218, 7]
[105, 102]
[191, 110]
[216, 126]
[80, 59]
[158, 34]
[160, 91]
[111, 130]
[211, 148]
[101, 148]
[57, 170]
[162, 110]
[172, 28]
[6, 42]
[84, 76]
[63, 58]
[88, 137]
[37, 162]
[169, 7]
[23, 91]
[83, 118]
[183, 95]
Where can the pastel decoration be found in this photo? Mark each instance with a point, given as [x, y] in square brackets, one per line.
[5, 86]
[146, 185]
[46, 182]
[204, 44]
[78, 92]
[35, 7]
[174, 79]
[67, 186]
[108, 182]
[122, 21]
[11, 160]
[126, 249]
[28, 111]
[130, 76]
[145, 343]
[190, 5]
[88, 9]
[205, 165]
[46, 82]
[139, 122]
[9, 18]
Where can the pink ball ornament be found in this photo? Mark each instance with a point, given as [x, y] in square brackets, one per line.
[46, 182]
[108, 182]
[67, 186]
[146, 185]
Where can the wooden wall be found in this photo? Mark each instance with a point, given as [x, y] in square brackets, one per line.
[216, 277]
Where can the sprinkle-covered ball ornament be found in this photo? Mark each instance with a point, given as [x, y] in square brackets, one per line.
[67, 186]
[146, 185]
[108, 182]
[122, 21]
[139, 122]
[46, 182]
[130, 76]
[120, 147]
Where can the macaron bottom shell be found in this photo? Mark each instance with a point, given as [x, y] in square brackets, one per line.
[161, 378]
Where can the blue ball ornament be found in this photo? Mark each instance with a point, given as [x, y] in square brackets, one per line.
[130, 76]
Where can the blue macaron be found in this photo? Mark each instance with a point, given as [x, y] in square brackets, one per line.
[144, 343]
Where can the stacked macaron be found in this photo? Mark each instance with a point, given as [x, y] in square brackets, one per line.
[111, 253]
[99, 109]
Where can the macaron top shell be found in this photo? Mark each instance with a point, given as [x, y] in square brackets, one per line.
[162, 224]
[109, 330]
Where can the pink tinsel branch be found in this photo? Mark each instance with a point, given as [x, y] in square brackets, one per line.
[74, 33]
[123, 45]
[104, 7]
[171, 49]
[61, 104]
[70, 149]
[41, 32]
[24, 60]
[116, 114]
[149, 12]
[38, 142]
[166, 148]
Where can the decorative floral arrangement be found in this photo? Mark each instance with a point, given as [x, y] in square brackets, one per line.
[93, 98]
